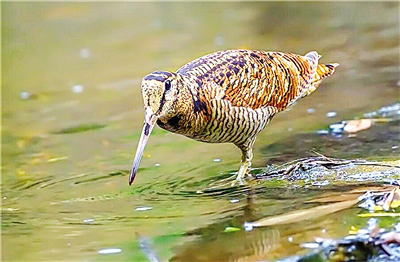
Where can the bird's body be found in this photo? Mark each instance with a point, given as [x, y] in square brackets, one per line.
[228, 96]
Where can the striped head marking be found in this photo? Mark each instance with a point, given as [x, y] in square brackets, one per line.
[159, 90]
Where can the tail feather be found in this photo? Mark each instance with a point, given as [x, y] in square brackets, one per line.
[322, 72]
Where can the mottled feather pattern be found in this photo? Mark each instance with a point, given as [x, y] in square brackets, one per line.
[252, 78]
[228, 96]
[239, 91]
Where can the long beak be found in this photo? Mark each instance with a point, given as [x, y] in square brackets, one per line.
[149, 122]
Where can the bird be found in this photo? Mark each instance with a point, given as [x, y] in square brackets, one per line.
[227, 97]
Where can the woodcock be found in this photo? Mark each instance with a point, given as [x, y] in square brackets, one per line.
[227, 96]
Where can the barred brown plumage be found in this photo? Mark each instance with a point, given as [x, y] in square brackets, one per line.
[227, 96]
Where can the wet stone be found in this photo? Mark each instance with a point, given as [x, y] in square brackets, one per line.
[365, 144]
[337, 128]
[390, 111]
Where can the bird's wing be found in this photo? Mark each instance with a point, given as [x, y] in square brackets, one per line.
[256, 79]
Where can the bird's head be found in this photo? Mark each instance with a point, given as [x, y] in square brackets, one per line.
[160, 91]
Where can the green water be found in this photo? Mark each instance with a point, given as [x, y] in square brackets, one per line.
[66, 154]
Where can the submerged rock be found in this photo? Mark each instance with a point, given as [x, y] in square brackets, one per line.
[390, 111]
[379, 141]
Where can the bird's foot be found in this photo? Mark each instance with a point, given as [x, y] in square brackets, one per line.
[242, 180]
[243, 171]
[222, 183]
[238, 182]
[230, 181]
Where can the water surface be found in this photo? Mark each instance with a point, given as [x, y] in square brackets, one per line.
[72, 115]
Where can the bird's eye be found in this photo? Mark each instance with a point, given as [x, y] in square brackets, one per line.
[167, 85]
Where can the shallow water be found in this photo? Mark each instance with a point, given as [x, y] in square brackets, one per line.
[72, 115]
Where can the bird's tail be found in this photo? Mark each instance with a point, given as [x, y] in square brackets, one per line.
[322, 72]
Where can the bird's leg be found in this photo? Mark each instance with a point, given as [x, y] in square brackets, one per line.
[247, 156]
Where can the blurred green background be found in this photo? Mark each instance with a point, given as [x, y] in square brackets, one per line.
[72, 115]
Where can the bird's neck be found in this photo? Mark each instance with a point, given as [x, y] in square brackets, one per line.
[188, 95]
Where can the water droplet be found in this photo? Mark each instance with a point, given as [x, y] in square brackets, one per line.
[84, 52]
[77, 88]
[108, 251]
[309, 245]
[143, 208]
[88, 221]
[331, 114]
[322, 132]
[219, 40]
[158, 24]
[233, 201]
[217, 160]
[311, 110]
[157, 164]
[24, 95]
